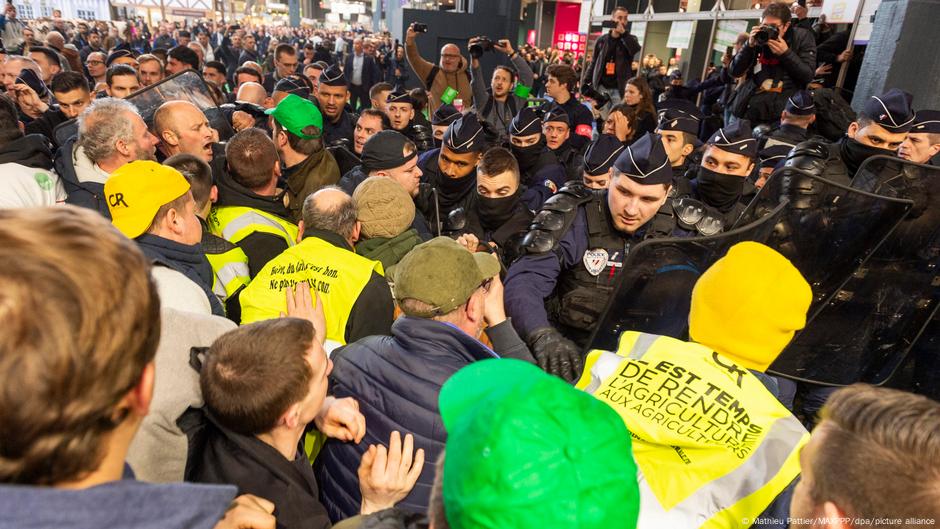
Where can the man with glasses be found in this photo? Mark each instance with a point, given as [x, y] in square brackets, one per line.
[448, 80]
[447, 295]
[97, 70]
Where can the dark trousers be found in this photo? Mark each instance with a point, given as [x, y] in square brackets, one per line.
[359, 94]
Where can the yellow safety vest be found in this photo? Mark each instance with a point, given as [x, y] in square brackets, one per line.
[231, 272]
[234, 223]
[713, 445]
[337, 274]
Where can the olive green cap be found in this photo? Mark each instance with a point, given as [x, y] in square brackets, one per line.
[442, 274]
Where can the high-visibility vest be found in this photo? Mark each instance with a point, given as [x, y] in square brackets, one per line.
[231, 272]
[234, 223]
[713, 446]
[336, 274]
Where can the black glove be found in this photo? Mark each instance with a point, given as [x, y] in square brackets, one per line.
[556, 354]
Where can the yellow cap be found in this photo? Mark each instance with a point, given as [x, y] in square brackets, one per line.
[137, 190]
[748, 305]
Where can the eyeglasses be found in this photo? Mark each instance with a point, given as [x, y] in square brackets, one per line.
[89, 63]
[451, 56]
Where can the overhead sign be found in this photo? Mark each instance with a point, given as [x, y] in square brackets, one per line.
[727, 33]
[680, 34]
[638, 30]
[840, 11]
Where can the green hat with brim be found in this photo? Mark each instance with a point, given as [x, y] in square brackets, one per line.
[526, 450]
[441, 273]
[295, 113]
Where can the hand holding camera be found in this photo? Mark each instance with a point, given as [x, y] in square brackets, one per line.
[769, 36]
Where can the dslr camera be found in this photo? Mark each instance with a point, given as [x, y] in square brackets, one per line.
[480, 46]
[766, 34]
[599, 99]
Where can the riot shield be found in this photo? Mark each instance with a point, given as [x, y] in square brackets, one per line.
[865, 331]
[187, 85]
[654, 290]
[828, 229]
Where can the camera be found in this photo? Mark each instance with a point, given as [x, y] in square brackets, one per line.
[599, 99]
[419, 27]
[766, 34]
[480, 46]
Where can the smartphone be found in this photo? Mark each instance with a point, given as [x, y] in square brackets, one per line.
[729, 51]
[418, 27]
[609, 24]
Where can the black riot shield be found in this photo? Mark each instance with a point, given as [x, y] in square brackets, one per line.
[866, 329]
[187, 85]
[654, 290]
[828, 230]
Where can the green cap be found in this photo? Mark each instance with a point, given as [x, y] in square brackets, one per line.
[525, 450]
[295, 113]
[441, 273]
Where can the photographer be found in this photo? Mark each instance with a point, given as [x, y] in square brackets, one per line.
[450, 73]
[612, 59]
[778, 60]
[497, 105]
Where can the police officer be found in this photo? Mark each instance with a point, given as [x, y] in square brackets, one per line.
[450, 172]
[879, 129]
[720, 182]
[561, 85]
[770, 158]
[679, 131]
[599, 158]
[576, 248]
[795, 120]
[541, 173]
[441, 119]
[557, 131]
[496, 216]
[332, 98]
[401, 113]
[923, 141]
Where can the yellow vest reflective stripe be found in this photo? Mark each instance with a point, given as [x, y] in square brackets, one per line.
[338, 275]
[713, 445]
[231, 272]
[234, 223]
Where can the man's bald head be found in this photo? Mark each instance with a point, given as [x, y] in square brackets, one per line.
[97, 55]
[450, 58]
[332, 209]
[55, 40]
[183, 128]
[251, 92]
[254, 66]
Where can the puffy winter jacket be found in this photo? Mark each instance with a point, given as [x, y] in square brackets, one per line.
[396, 380]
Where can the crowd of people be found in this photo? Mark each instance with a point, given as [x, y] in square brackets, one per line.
[283, 307]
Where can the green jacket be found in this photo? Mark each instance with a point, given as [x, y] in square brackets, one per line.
[389, 251]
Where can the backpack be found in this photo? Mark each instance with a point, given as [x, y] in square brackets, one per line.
[833, 114]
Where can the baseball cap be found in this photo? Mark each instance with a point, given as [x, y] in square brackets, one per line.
[137, 190]
[525, 449]
[295, 113]
[442, 274]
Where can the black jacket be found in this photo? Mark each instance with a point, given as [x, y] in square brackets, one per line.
[396, 380]
[796, 67]
[188, 260]
[627, 46]
[47, 123]
[259, 247]
[31, 150]
[219, 455]
[84, 194]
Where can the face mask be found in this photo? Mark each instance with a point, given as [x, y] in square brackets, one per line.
[854, 153]
[528, 156]
[453, 189]
[719, 190]
[494, 212]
